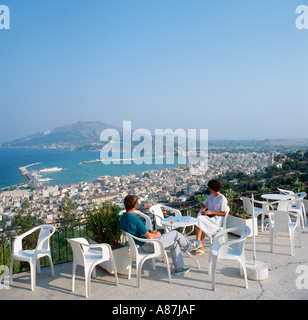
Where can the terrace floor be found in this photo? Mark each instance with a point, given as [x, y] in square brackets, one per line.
[196, 285]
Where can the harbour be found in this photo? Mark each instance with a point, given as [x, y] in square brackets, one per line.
[34, 178]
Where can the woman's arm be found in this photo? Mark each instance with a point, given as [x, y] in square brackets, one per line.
[212, 213]
[202, 208]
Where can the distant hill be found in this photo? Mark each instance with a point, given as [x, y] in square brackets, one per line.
[66, 137]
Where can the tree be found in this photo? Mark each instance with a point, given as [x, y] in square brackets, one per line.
[25, 218]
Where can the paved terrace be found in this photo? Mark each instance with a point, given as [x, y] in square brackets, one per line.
[196, 285]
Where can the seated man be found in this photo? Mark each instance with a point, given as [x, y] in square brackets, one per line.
[172, 240]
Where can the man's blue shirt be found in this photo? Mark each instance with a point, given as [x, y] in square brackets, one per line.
[133, 225]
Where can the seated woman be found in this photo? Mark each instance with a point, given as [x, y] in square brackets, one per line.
[213, 210]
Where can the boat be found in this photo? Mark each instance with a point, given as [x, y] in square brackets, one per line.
[90, 161]
[54, 169]
[44, 180]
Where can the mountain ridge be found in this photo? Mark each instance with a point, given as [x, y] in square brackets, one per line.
[66, 136]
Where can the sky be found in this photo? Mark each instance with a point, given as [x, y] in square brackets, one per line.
[237, 68]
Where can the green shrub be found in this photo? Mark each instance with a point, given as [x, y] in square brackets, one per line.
[104, 224]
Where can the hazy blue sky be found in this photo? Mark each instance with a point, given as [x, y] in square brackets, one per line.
[238, 68]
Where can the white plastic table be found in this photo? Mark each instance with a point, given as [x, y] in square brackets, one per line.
[277, 197]
[178, 222]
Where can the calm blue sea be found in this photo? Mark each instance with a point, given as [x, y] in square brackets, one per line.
[11, 159]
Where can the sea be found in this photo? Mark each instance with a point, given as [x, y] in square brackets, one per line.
[73, 172]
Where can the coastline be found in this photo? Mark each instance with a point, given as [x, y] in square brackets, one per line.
[13, 158]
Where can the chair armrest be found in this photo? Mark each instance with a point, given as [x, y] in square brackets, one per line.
[158, 245]
[102, 246]
[260, 202]
[231, 242]
[25, 234]
[17, 243]
[220, 235]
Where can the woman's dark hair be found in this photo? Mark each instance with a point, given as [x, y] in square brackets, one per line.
[130, 201]
[215, 185]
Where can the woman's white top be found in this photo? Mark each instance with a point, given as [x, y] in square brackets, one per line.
[208, 224]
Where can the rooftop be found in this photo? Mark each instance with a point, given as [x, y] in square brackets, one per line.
[281, 284]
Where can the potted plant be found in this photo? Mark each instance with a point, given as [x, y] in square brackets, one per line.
[230, 194]
[104, 227]
[240, 217]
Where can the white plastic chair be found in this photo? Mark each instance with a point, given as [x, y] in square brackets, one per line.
[32, 256]
[223, 227]
[157, 212]
[247, 204]
[295, 206]
[228, 250]
[280, 205]
[141, 256]
[148, 221]
[298, 207]
[281, 222]
[287, 192]
[89, 256]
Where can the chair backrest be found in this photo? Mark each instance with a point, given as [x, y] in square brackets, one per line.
[221, 238]
[158, 216]
[156, 210]
[78, 249]
[247, 204]
[283, 191]
[280, 220]
[148, 221]
[177, 213]
[266, 208]
[225, 218]
[284, 205]
[132, 245]
[46, 231]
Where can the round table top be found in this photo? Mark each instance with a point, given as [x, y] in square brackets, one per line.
[277, 196]
[179, 221]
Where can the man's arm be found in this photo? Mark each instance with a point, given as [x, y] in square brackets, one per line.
[151, 234]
